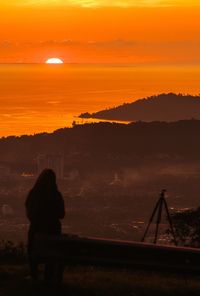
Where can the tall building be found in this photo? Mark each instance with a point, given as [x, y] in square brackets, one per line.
[51, 161]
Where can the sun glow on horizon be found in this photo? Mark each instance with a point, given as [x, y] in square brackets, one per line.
[103, 3]
[54, 61]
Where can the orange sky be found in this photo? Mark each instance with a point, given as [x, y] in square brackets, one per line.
[88, 31]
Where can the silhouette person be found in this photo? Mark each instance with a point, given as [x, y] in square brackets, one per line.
[44, 209]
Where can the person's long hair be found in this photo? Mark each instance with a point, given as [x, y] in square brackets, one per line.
[43, 196]
[45, 183]
[44, 191]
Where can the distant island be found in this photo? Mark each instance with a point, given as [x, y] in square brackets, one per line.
[164, 107]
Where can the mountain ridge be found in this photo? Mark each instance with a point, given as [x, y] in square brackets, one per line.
[162, 107]
[107, 144]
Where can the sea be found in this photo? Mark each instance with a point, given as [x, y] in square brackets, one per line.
[37, 98]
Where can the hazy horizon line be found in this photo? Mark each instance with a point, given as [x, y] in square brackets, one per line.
[180, 64]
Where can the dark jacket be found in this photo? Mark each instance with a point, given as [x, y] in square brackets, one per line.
[44, 211]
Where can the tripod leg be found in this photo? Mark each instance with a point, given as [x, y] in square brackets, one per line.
[170, 222]
[150, 220]
[158, 220]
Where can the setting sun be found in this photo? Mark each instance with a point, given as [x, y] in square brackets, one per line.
[54, 61]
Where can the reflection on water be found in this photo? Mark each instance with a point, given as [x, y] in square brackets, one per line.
[37, 98]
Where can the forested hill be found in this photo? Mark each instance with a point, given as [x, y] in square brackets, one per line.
[164, 107]
[108, 143]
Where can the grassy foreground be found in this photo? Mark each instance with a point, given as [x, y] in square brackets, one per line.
[100, 282]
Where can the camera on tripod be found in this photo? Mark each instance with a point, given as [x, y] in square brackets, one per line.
[157, 214]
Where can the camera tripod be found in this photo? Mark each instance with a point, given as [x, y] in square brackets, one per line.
[161, 203]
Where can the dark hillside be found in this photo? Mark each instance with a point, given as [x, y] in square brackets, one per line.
[113, 143]
[164, 107]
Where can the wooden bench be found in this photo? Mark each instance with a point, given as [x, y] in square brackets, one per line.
[74, 250]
